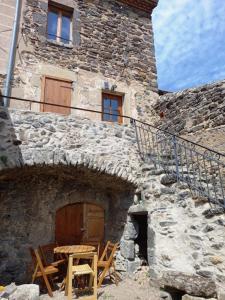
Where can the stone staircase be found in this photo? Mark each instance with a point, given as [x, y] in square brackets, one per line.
[201, 168]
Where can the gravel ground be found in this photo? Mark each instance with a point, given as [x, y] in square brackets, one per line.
[137, 288]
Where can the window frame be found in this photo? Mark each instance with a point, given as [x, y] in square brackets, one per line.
[60, 13]
[119, 99]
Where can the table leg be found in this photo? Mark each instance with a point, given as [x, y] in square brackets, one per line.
[66, 282]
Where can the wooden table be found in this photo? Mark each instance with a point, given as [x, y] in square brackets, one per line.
[74, 249]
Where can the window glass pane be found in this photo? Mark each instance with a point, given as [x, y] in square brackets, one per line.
[106, 103]
[65, 33]
[115, 118]
[114, 104]
[52, 25]
[106, 117]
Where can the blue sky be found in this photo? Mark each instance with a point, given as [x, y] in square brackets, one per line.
[189, 42]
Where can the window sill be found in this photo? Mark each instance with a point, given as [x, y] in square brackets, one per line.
[69, 46]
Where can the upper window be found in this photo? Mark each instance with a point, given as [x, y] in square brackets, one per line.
[59, 24]
[111, 104]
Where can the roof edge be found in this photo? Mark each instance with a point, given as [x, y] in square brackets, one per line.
[144, 5]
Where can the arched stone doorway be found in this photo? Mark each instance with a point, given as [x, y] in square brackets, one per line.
[79, 222]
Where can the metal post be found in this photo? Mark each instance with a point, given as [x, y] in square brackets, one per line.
[176, 157]
[137, 137]
[12, 53]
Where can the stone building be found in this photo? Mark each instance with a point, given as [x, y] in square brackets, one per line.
[71, 175]
[86, 50]
[7, 12]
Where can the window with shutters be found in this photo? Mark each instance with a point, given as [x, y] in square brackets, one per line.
[59, 27]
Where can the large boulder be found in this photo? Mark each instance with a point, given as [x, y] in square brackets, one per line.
[26, 291]
[191, 284]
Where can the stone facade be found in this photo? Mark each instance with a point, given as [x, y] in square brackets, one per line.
[49, 161]
[112, 47]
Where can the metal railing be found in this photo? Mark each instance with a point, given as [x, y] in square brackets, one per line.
[201, 168]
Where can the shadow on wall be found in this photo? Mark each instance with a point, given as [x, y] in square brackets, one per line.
[30, 198]
[10, 153]
[10, 156]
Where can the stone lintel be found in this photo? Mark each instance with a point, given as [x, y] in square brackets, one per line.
[145, 5]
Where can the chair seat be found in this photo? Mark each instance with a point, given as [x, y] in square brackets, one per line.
[48, 270]
[82, 270]
[58, 262]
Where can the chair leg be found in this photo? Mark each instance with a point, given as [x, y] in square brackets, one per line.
[69, 287]
[66, 283]
[95, 287]
[34, 274]
[91, 279]
[101, 277]
[48, 285]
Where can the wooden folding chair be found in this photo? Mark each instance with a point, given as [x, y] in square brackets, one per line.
[48, 256]
[75, 270]
[42, 271]
[106, 264]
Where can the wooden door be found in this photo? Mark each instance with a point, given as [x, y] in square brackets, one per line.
[69, 225]
[80, 222]
[94, 222]
[57, 92]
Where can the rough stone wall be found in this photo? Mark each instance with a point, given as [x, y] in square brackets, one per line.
[112, 43]
[29, 200]
[181, 240]
[114, 39]
[29, 138]
[48, 161]
[192, 110]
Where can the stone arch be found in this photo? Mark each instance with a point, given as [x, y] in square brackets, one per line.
[60, 157]
[35, 139]
[30, 196]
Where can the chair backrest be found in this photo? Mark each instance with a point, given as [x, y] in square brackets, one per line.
[36, 259]
[109, 252]
[92, 257]
[97, 245]
[47, 253]
[87, 255]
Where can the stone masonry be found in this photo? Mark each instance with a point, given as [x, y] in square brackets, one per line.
[48, 161]
[128, 32]
[112, 43]
[192, 110]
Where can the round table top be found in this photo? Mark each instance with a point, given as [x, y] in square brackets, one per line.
[74, 249]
